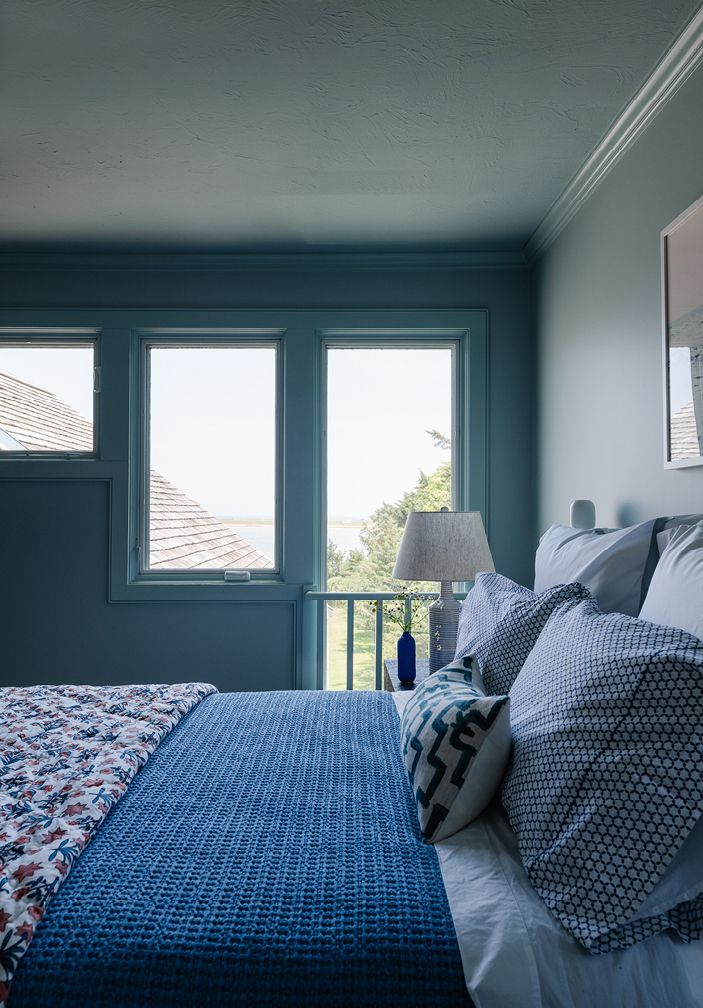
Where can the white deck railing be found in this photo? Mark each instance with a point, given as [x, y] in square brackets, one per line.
[319, 600]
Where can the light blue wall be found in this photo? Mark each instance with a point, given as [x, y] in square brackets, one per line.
[57, 622]
[598, 322]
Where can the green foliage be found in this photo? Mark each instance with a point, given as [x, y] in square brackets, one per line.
[440, 441]
[336, 560]
[372, 566]
[406, 609]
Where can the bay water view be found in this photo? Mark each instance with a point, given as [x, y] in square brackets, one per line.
[344, 532]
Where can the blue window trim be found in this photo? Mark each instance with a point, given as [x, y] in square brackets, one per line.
[302, 412]
[59, 337]
[468, 466]
[142, 341]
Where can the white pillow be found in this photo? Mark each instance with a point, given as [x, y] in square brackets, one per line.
[675, 596]
[669, 525]
[610, 563]
[673, 521]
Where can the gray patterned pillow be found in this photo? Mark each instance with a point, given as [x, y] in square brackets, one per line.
[456, 745]
[500, 622]
[606, 780]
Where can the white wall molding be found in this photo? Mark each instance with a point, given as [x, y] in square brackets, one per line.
[678, 63]
[83, 262]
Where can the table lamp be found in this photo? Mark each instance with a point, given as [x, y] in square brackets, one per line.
[443, 546]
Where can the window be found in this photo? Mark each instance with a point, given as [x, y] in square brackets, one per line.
[228, 410]
[389, 432]
[210, 457]
[47, 392]
[390, 418]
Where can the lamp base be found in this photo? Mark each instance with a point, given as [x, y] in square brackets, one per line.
[443, 617]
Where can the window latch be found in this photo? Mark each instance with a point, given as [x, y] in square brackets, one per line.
[237, 575]
[96, 379]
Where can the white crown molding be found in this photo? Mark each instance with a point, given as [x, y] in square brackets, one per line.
[677, 64]
[82, 262]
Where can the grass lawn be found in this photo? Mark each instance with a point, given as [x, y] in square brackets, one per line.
[364, 671]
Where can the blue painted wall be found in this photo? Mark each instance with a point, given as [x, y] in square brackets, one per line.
[58, 625]
[598, 321]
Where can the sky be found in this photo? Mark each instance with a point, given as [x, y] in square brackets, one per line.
[213, 419]
[65, 371]
[685, 266]
[213, 425]
[680, 388]
[381, 403]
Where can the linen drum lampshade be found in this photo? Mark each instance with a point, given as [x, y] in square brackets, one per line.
[443, 546]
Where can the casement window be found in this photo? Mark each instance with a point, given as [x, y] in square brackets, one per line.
[209, 498]
[48, 389]
[396, 426]
[392, 420]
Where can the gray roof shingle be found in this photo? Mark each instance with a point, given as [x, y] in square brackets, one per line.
[683, 434]
[183, 535]
[38, 420]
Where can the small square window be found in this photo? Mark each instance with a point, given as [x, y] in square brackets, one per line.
[47, 397]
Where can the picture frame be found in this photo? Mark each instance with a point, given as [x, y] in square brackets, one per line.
[682, 326]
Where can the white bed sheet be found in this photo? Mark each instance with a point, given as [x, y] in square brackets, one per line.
[514, 951]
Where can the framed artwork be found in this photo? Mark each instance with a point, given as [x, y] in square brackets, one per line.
[682, 303]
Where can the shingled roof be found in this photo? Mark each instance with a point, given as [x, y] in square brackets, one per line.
[683, 433]
[182, 533]
[38, 420]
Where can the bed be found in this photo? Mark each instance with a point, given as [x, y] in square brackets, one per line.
[262, 849]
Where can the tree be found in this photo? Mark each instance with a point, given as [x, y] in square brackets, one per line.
[336, 559]
[372, 566]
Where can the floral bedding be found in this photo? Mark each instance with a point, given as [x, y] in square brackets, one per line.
[68, 754]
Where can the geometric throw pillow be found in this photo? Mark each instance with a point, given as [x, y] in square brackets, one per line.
[606, 777]
[456, 746]
[500, 622]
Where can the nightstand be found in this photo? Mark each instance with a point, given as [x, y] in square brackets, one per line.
[391, 683]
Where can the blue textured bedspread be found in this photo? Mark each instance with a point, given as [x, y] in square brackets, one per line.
[267, 855]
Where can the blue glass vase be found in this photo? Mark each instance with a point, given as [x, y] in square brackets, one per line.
[406, 658]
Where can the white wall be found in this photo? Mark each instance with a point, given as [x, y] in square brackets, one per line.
[597, 313]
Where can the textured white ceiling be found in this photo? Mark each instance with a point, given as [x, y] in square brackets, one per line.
[307, 125]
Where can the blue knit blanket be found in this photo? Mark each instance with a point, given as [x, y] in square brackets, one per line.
[267, 856]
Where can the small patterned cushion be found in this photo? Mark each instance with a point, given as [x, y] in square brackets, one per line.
[456, 745]
[500, 622]
[606, 779]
